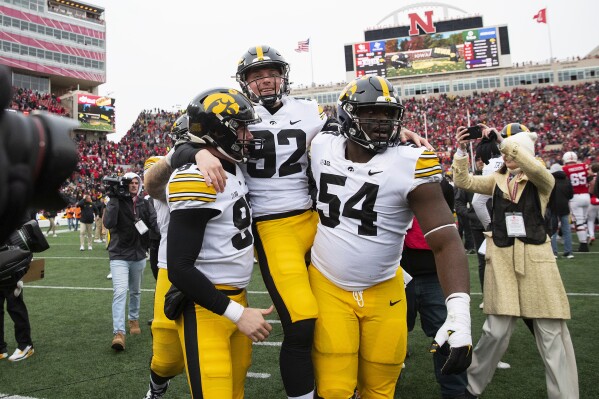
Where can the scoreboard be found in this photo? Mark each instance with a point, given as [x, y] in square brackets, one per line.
[439, 52]
[370, 58]
[480, 48]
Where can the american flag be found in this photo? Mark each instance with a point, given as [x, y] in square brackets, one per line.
[303, 45]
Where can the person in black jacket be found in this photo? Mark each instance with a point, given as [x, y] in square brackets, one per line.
[560, 210]
[464, 208]
[128, 217]
[88, 212]
[424, 296]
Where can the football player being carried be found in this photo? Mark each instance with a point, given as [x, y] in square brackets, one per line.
[369, 188]
[216, 327]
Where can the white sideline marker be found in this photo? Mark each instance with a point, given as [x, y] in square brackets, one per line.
[258, 375]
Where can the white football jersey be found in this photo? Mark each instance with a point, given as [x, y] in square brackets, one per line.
[479, 201]
[226, 256]
[163, 216]
[278, 181]
[363, 208]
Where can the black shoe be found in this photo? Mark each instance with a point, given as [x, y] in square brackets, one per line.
[583, 247]
[150, 322]
[156, 394]
[465, 395]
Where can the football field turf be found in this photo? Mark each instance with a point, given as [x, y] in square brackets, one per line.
[71, 323]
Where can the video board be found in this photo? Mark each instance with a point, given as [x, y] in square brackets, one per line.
[96, 113]
[428, 54]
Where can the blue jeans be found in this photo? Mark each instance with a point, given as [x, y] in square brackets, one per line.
[424, 296]
[125, 274]
[564, 222]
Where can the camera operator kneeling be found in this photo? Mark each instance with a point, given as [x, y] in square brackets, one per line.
[128, 217]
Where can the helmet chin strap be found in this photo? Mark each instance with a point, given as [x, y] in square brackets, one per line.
[211, 141]
[269, 101]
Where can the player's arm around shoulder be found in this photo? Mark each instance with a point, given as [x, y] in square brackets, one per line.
[156, 179]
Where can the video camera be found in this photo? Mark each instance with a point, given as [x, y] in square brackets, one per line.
[117, 186]
[36, 156]
[16, 252]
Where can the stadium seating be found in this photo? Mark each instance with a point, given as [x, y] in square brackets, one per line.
[565, 117]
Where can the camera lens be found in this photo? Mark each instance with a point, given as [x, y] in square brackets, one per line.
[29, 238]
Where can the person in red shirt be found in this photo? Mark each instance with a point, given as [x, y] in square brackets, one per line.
[579, 204]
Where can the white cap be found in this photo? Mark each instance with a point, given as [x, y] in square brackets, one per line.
[556, 167]
[525, 140]
[570, 156]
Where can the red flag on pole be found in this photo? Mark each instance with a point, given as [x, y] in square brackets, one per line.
[541, 16]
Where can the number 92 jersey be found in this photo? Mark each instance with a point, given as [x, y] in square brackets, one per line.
[364, 210]
[226, 256]
[277, 178]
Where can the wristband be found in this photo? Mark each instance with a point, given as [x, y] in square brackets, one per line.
[234, 311]
[458, 303]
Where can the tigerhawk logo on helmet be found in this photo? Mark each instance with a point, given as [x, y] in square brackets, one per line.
[216, 115]
[222, 103]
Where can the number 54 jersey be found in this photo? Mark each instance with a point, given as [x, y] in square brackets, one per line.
[364, 210]
[226, 256]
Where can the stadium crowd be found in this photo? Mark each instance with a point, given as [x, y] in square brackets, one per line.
[566, 118]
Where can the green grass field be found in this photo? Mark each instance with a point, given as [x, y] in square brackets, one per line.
[70, 314]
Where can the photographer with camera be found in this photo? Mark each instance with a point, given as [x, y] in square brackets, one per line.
[128, 217]
[15, 257]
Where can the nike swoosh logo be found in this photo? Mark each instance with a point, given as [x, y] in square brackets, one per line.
[391, 303]
[370, 172]
[293, 123]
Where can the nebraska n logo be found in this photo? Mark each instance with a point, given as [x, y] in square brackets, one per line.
[221, 103]
[416, 21]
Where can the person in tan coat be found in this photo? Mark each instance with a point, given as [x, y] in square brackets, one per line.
[521, 278]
